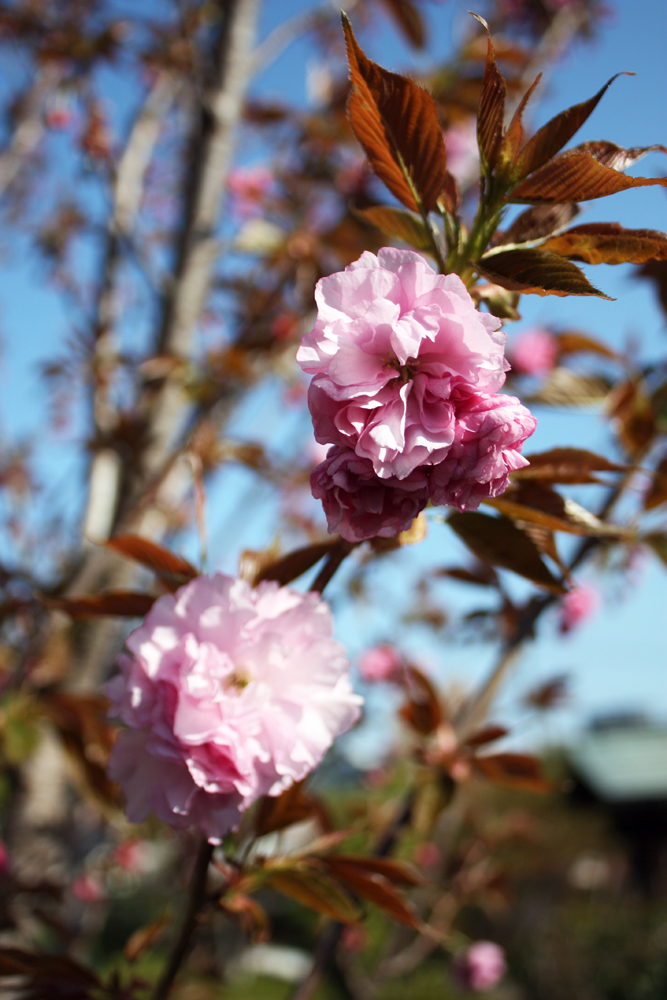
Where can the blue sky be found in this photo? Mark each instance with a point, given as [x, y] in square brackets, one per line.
[617, 661]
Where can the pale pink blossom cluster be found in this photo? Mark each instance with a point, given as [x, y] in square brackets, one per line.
[406, 378]
[479, 967]
[577, 606]
[533, 352]
[228, 694]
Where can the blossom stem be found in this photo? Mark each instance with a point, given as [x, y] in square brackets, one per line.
[196, 898]
[336, 556]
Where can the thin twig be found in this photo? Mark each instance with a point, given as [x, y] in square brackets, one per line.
[336, 556]
[196, 901]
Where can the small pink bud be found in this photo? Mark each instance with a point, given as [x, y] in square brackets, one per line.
[382, 663]
[576, 606]
[88, 889]
[428, 854]
[479, 967]
[4, 860]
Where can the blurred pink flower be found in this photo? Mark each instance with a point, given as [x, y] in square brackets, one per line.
[248, 187]
[479, 967]
[462, 151]
[381, 663]
[88, 889]
[358, 504]
[489, 434]
[428, 854]
[229, 694]
[131, 855]
[4, 860]
[533, 352]
[578, 605]
[392, 344]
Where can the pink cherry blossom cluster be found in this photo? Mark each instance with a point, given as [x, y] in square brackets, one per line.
[406, 378]
[228, 694]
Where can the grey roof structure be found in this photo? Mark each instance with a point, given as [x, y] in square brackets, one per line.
[625, 763]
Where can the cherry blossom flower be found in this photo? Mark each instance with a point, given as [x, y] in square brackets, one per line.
[248, 187]
[533, 352]
[392, 344]
[228, 694]
[489, 434]
[578, 605]
[381, 663]
[479, 967]
[360, 505]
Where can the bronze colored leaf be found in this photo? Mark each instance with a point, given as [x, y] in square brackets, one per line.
[292, 565]
[566, 465]
[548, 695]
[633, 415]
[535, 271]
[513, 770]
[408, 19]
[513, 140]
[491, 111]
[81, 723]
[481, 575]
[657, 492]
[538, 504]
[564, 387]
[396, 122]
[398, 225]
[292, 806]
[498, 541]
[59, 971]
[376, 889]
[171, 569]
[575, 176]
[573, 342]
[122, 603]
[488, 734]
[422, 710]
[253, 918]
[545, 540]
[143, 938]
[609, 243]
[658, 543]
[540, 221]
[397, 872]
[551, 138]
[317, 891]
[656, 272]
[615, 156]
